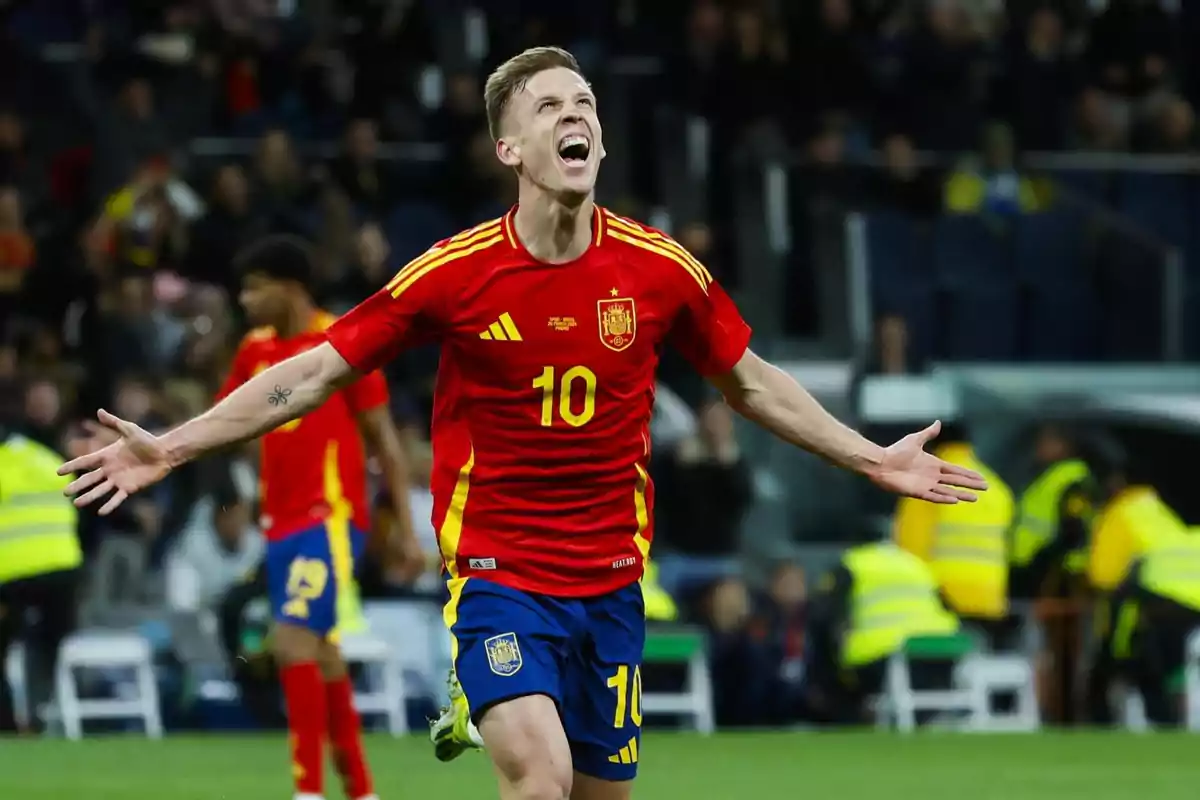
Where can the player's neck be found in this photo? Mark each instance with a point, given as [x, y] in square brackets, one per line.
[299, 318]
[551, 230]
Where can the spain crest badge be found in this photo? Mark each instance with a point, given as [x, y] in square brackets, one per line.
[503, 654]
[618, 322]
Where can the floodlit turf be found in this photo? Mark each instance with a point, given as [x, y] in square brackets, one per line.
[676, 767]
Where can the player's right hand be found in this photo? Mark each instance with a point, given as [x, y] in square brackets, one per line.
[135, 460]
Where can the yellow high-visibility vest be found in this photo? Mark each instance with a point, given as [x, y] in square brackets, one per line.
[37, 523]
[1038, 514]
[1173, 572]
[893, 597]
[1132, 524]
[964, 544]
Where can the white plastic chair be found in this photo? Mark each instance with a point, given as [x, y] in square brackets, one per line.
[385, 695]
[988, 675]
[694, 700]
[97, 649]
[1191, 681]
[14, 670]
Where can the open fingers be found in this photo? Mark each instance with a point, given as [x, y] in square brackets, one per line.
[94, 495]
[954, 475]
[934, 496]
[949, 490]
[83, 482]
[113, 502]
[82, 464]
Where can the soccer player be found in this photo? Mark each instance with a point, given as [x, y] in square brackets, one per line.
[315, 512]
[550, 321]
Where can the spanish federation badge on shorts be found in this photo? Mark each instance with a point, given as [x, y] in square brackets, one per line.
[504, 654]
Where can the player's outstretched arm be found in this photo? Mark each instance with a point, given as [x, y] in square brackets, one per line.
[770, 397]
[138, 458]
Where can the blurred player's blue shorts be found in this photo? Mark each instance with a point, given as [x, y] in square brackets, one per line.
[311, 571]
[584, 653]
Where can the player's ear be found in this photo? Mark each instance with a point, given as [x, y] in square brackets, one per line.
[509, 152]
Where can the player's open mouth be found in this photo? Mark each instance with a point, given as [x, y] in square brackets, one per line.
[573, 149]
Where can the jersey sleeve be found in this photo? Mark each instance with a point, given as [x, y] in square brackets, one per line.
[240, 371]
[408, 312]
[366, 394]
[709, 331]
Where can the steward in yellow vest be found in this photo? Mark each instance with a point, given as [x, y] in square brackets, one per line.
[1145, 629]
[39, 562]
[864, 612]
[964, 544]
[1054, 516]
[1132, 524]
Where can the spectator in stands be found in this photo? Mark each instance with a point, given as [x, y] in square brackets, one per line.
[282, 191]
[145, 222]
[130, 133]
[992, 184]
[706, 493]
[945, 76]
[129, 328]
[740, 695]
[892, 354]
[16, 167]
[359, 172]
[368, 271]
[903, 184]
[1099, 123]
[218, 547]
[826, 65]
[778, 627]
[1039, 78]
[229, 223]
[1132, 47]
[16, 249]
[43, 413]
[1172, 128]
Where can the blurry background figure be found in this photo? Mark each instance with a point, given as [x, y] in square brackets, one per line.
[40, 559]
[704, 490]
[219, 547]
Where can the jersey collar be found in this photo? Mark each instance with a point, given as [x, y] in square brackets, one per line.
[510, 229]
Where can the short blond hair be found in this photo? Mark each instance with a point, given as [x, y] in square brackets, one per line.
[508, 79]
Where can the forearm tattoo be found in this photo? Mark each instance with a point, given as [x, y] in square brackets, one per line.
[279, 396]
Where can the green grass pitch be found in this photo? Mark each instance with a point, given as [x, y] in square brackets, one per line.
[1052, 766]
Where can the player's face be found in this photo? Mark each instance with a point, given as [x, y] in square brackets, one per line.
[553, 134]
[264, 300]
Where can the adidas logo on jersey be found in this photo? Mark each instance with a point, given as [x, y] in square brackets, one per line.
[481, 563]
[502, 330]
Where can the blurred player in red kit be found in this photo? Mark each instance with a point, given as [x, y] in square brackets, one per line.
[313, 484]
[550, 321]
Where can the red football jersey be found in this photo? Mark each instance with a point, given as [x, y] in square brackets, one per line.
[313, 467]
[541, 423]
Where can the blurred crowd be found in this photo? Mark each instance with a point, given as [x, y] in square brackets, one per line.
[145, 143]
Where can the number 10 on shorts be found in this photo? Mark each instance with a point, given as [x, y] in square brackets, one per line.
[629, 696]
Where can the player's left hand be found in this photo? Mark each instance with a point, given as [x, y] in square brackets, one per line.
[137, 459]
[94, 437]
[908, 470]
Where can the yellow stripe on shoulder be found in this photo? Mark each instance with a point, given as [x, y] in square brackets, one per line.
[475, 244]
[462, 242]
[658, 241]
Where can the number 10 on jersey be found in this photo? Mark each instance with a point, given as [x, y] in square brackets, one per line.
[565, 389]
